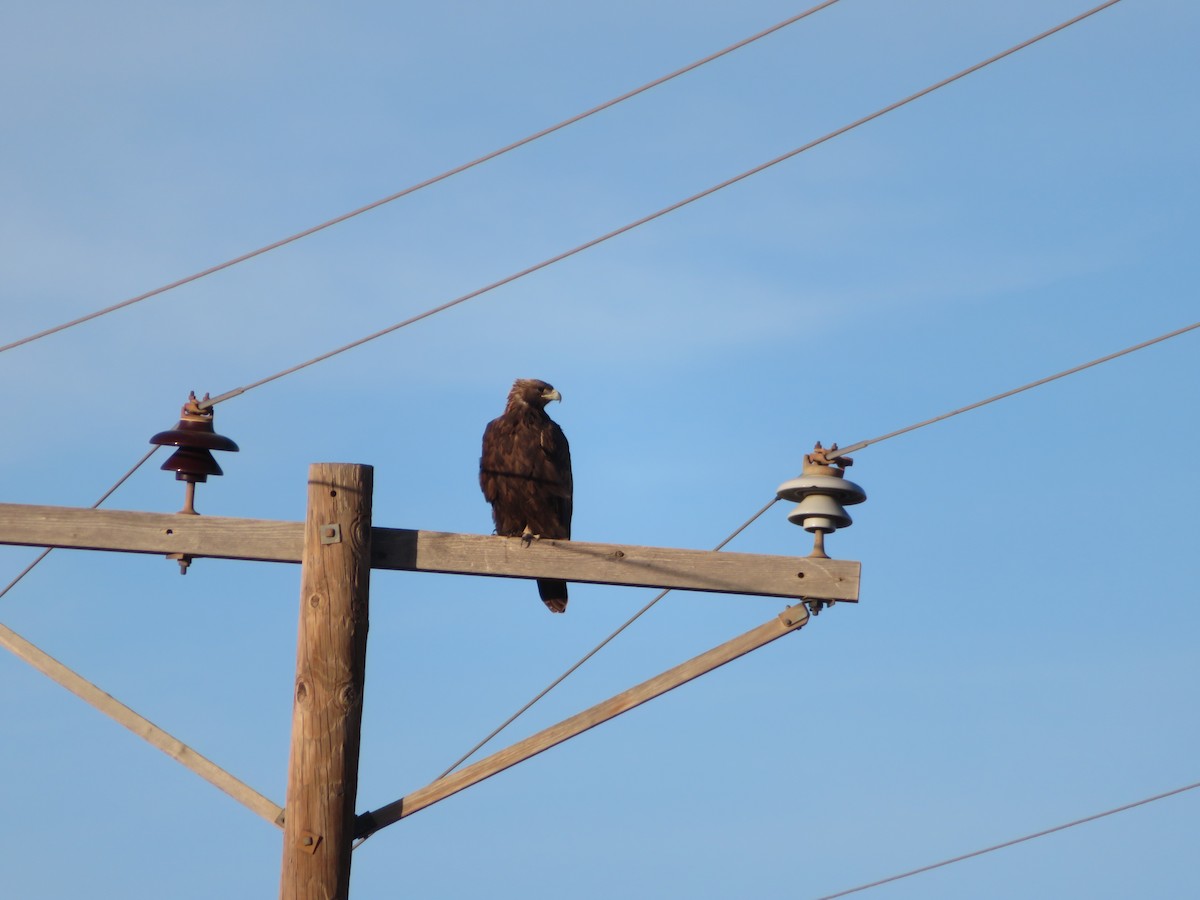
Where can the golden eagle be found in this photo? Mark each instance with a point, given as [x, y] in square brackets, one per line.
[525, 473]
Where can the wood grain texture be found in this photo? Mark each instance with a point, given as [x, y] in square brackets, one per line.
[331, 657]
[433, 551]
[791, 620]
[142, 532]
[621, 564]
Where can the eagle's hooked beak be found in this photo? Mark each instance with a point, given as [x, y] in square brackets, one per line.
[552, 395]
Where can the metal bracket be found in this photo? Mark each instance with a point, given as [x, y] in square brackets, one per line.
[310, 842]
[331, 534]
[794, 616]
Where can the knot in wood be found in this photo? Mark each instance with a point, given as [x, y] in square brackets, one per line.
[360, 531]
[314, 601]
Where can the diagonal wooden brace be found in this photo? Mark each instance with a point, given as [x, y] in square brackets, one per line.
[789, 620]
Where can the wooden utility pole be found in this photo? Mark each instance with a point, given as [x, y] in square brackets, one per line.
[330, 668]
[338, 546]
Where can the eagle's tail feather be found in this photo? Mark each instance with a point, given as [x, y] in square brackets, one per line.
[553, 593]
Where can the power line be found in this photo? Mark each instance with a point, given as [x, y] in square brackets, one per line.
[1028, 837]
[644, 220]
[1025, 387]
[587, 245]
[119, 712]
[422, 184]
[847, 450]
[112, 490]
[561, 678]
[850, 449]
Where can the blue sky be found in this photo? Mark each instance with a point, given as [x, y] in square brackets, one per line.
[1024, 652]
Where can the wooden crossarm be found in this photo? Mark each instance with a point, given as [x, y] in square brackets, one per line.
[433, 551]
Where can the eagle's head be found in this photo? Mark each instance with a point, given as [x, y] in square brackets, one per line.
[532, 392]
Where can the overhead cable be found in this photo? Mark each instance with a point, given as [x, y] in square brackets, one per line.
[1025, 387]
[848, 449]
[665, 210]
[1028, 837]
[422, 184]
[851, 448]
[118, 711]
[561, 678]
[112, 490]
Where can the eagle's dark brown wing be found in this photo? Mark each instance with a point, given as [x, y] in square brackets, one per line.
[525, 474]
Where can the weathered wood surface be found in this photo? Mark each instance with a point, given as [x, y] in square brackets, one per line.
[143, 532]
[331, 653]
[139, 725]
[790, 620]
[659, 567]
[432, 551]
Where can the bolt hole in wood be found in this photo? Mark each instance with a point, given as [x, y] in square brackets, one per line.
[333, 493]
[170, 531]
[799, 574]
